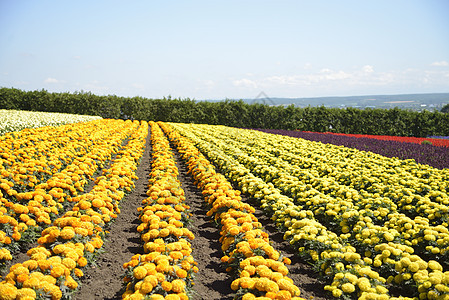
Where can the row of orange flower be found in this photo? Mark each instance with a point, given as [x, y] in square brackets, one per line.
[26, 210]
[27, 160]
[166, 270]
[260, 269]
[74, 239]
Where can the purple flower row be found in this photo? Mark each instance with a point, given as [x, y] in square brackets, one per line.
[437, 157]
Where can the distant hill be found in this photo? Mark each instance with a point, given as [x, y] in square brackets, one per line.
[431, 102]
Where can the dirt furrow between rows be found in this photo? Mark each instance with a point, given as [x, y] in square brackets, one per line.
[104, 280]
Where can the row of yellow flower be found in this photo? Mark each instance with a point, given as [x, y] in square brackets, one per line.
[73, 240]
[348, 213]
[315, 235]
[260, 269]
[415, 189]
[166, 270]
[24, 214]
[351, 207]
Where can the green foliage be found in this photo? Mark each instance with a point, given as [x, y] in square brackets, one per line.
[445, 109]
[234, 113]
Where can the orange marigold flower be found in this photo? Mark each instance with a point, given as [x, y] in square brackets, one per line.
[82, 261]
[57, 271]
[9, 290]
[286, 261]
[166, 286]
[30, 264]
[78, 272]
[21, 278]
[69, 263]
[26, 293]
[283, 295]
[249, 296]
[140, 272]
[247, 283]
[67, 233]
[146, 287]
[178, 285]
[181, 273]
[43, 264]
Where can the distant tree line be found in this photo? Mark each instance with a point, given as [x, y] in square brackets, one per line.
[233, 113]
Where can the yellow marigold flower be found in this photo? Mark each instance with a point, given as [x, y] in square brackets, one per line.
[23, 293]
[20, 269]
[337, 293]
[235, 284]
[145, 288]
[176, 255]
[263, 271]
[67, 233]
[78, 272]
[286, 260]
[70, 282]
[348, 287]
[21, 278]
[49, 279]
[83, 204]
[31, 282]
[166, 286]
[178, 285]
[181, 273]
[247, 282]
[7, 291]
[55, 292]
[381, 289]
[249, 296]
[172, 297]
[140, 272]
[364, 284]
[57, 270]
[434, 265]
[151, 279]
[69, 263]
[272, 286]
[234, 230]
[160, 277]
[43, 264]
[96, 219]
[283, 295]
[98, 203]
[164, 232]
[89, 247]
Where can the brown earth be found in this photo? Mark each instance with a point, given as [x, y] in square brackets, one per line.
[104, 281]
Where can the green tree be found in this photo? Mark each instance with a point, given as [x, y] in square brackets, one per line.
[445, 109]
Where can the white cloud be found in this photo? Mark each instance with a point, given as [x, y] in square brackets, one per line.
[442, 63]
[51, 80]
[368, 69]
[244, 82]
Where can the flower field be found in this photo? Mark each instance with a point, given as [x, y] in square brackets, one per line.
[437, 141]
[435, 154]
[370, 226]
[15, 120]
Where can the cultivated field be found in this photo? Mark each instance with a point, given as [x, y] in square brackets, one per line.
[112, 209]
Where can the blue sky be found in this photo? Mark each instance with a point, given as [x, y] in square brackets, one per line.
[226, 49]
